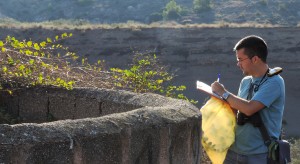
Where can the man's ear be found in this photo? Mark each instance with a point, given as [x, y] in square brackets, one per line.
[255, 59]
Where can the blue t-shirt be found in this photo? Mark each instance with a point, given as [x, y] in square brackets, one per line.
[271, 93]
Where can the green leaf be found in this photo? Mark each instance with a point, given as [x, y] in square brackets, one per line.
[62, 82]
[10, 61]
[29, 43]
[28, 52]
[4, 69]
[36, 46]
[21, 67]
[70, 82]
[64, 35]
[44, 65]
[49, 40]
[159, 81]
[128, 73]
[40, 78]
[134, 68]
[10, 92]
[28, 71]
[181, 88]
[1, 43]
[31, 61]
[43, 44]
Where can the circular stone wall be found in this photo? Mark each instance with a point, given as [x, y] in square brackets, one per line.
[99, 125]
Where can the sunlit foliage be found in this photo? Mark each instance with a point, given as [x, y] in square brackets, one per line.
[147, 74]
[25, 63]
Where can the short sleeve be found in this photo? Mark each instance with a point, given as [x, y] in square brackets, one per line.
[268, 93]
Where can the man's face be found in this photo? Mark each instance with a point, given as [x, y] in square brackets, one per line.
[244, 62]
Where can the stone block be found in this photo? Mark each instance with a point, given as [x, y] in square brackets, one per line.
[9, 102]
[86, 107]
[108, 107]
[6, 153]
[33, 106]
[144, 146]
[50, 152]
[61, 107]
[104, 149]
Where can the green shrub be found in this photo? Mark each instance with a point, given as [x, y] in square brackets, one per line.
[47, 63]
[201, 5]
[28, 63]
[172, 11]
[146, 74]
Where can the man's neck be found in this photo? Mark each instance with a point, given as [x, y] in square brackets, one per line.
[261, 71]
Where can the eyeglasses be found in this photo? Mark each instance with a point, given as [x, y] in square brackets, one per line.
[240, 60]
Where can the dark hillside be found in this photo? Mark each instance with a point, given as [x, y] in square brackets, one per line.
[280, 12]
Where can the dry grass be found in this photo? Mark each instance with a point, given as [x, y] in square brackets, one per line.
[82, 24]
[295, 153]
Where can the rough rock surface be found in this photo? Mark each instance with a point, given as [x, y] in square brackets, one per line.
[158, 130]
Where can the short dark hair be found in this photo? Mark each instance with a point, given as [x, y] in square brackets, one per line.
[254, 46]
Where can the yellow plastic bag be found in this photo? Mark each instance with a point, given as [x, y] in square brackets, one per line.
[218, 123]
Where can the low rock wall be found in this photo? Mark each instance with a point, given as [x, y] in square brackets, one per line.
[99, 126]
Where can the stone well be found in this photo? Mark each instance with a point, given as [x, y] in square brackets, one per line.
[99, 126]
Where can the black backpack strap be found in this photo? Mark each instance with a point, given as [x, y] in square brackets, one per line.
[264, 132]
[256, 121]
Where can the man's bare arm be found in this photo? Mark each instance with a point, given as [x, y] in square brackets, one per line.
[245, 106]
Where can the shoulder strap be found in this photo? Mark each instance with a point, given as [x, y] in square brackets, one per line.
[256, 118]
[263, 131]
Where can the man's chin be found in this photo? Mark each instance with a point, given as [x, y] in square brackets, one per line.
[245, 73]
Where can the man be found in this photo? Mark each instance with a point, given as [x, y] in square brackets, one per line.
[258, 92]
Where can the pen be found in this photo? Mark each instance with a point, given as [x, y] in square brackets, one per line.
[219, 75]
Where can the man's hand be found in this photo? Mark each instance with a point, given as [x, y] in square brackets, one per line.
[218, 88]
[245, 106]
